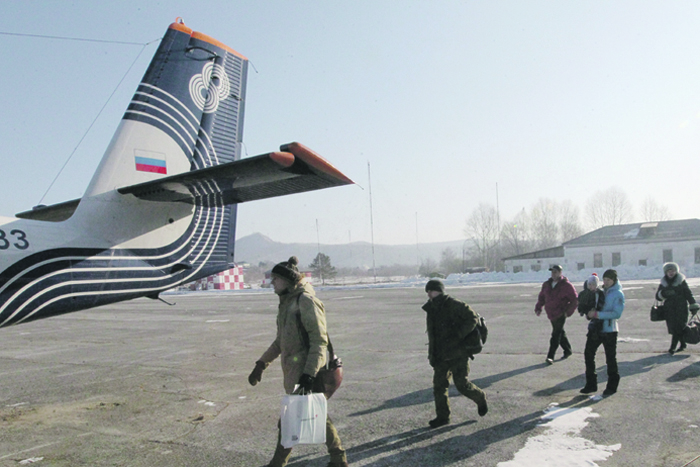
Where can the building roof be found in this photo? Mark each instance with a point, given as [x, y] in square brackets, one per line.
[554, 252]
[642, 232]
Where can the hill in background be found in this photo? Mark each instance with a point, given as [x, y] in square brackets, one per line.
[257, 248]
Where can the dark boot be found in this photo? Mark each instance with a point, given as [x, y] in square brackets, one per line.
[674, 342]
[338, 464]
[438, 422]
[682, 346]
[483, 407]
[611, 388]
[591, 384]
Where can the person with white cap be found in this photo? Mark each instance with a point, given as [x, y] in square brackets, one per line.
[676, 295]
[591, 298]
[559, 298]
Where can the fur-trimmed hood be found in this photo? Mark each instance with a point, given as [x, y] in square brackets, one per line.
[675, 282]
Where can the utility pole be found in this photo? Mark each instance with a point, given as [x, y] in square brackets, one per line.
[417, 248]
[371, 220]
[318, 245]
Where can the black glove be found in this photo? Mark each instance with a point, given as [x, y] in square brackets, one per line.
[306, 383]
[694, 308]
[668, 293]
[256, 376]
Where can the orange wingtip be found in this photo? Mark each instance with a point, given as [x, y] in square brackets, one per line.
[178, 25]
[284, 159]
[315, 161]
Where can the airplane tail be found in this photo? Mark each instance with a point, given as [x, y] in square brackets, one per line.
[161, 208]
[186, 115]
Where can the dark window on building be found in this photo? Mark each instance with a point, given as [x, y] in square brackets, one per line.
[581, 266]
[535, 267]
[668, 256]
[517, 269]
[642, 262]
[597, 260]
[616, 259]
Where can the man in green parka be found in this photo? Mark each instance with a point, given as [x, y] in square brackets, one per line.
[301, 345]
[449, 322]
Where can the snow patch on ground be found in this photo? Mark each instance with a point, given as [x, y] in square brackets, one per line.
[560, 445]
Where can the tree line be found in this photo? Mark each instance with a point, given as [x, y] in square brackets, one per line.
[547, 224]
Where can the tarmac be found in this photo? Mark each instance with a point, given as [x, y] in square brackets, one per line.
[142, 383]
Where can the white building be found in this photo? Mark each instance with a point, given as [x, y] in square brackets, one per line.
[643, 244]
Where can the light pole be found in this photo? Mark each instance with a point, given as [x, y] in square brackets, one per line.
[464, 255]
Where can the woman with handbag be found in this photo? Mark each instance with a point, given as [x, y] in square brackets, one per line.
[676, 295]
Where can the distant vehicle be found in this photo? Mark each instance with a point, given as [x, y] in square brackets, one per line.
[475, 270]
[160, 210]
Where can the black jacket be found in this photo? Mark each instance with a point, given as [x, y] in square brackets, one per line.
[676, 296]
[449, 321]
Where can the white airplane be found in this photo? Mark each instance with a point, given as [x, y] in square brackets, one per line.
[160, 210]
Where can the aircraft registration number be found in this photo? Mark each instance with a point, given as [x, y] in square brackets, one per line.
[17, 239]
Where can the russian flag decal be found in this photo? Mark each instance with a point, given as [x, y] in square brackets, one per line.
[149, 164]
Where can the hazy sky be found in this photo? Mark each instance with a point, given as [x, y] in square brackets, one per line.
[453, 103]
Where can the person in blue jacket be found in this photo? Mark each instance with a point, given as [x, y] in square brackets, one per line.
[607, 335]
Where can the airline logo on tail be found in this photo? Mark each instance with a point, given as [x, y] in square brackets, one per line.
[209, 87]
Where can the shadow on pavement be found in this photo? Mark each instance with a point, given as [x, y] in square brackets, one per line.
[445, 452]
[626, 369]
[691, 371]
[425, 396]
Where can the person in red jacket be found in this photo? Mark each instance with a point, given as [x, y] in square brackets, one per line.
[559, 298]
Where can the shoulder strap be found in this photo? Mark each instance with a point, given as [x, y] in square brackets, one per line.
[305, 335]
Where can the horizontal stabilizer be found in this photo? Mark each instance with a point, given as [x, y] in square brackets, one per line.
[295, 169]
[54, 213]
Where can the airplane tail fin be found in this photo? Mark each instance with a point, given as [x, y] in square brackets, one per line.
[186, 115]
[161, 208]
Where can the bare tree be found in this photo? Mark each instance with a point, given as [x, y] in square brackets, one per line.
[449, 262]
[427, 267]
[652, 211]
[482, 227]
[609, 207]
[543, 221]
[515, 235]
[569, 225]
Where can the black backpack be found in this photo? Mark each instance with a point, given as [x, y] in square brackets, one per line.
[475, 340]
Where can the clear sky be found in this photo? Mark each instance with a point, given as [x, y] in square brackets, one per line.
[452, 103]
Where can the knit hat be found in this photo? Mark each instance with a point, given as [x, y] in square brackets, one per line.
[436, 285]
[594, 279]
[288, 270]
[610, 274]
[669, 266]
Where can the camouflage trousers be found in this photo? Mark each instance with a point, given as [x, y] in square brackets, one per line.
[458, 369]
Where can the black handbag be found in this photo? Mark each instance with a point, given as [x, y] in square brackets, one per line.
[658, 312]
[691, 331]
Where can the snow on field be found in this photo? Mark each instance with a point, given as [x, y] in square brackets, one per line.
[625, 274]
